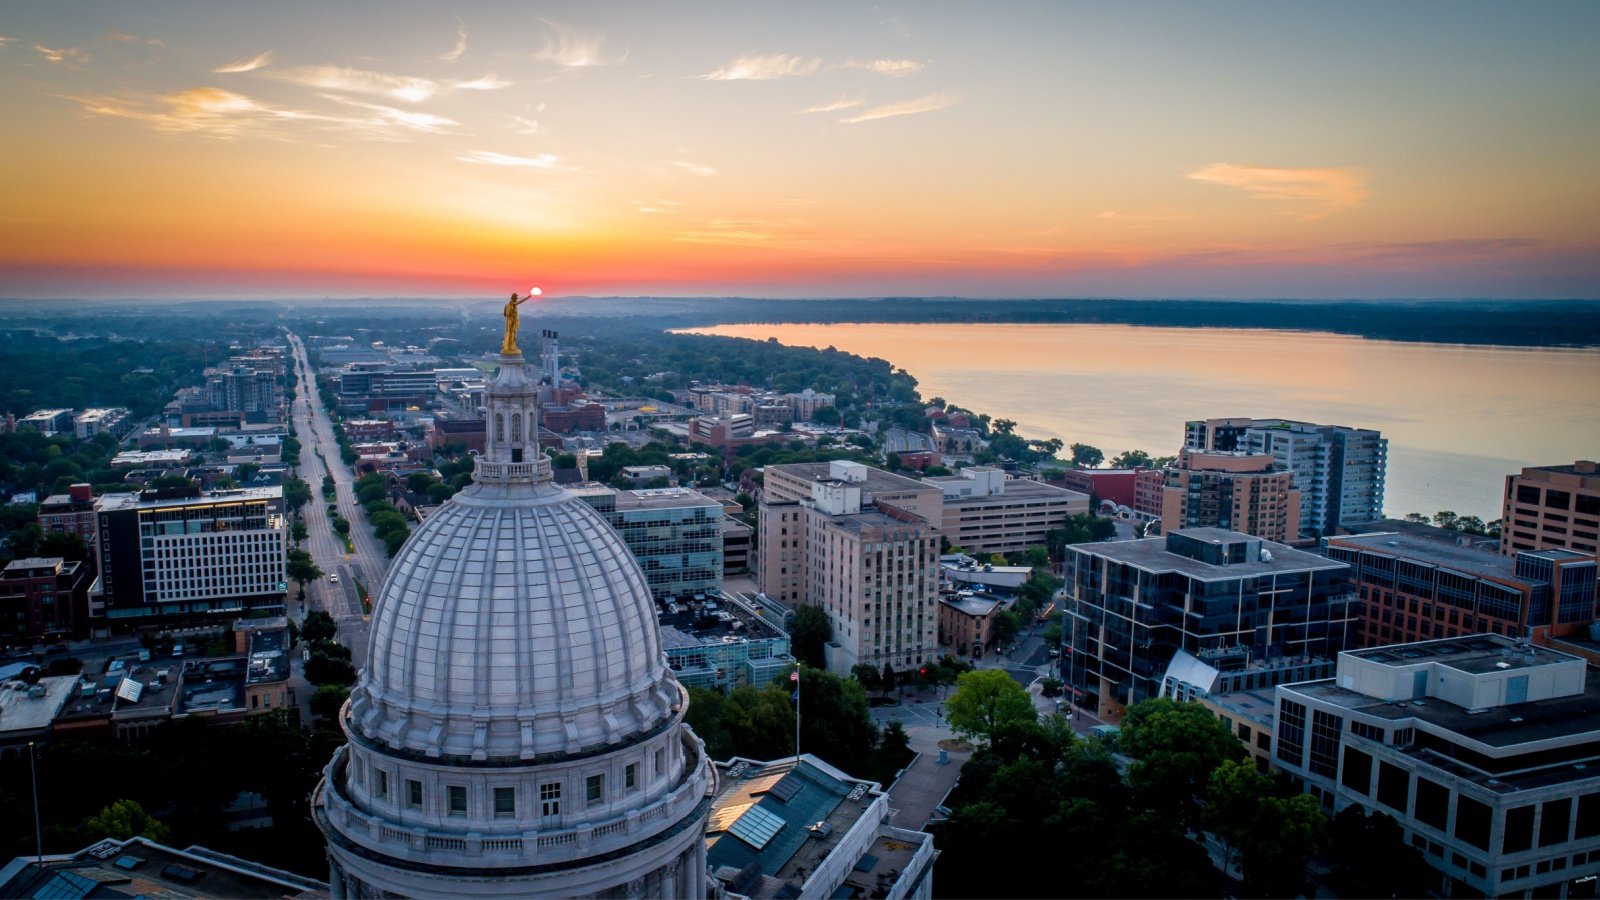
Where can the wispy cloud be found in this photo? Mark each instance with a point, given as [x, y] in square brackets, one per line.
[835, 106]
[66, 55]
[461, 42]
[204, 110]
[524, 125]
[359, 81]
[1324, 189]
[1159, 216]
[894, 68]
[942, 100]
[694, 168]
[566, 47]
[245, 65]
[6, 40]
[485, 157]
[486, 83]
[387, 119]
[765, 68]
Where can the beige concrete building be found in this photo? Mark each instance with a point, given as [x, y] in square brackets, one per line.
[1235, 490]
[987, 512]
[780, 545]
[1552, 507]
[848, 546]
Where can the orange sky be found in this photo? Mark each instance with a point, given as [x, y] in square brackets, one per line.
[1032, 149]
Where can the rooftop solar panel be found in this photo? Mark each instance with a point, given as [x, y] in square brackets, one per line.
[786, 788]
[130, 690]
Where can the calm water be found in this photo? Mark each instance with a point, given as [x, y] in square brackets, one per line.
[1458, 418]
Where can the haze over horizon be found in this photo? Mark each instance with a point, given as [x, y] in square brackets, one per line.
[1239, 151]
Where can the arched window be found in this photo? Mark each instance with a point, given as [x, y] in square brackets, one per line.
[516, 427]
[499, 426]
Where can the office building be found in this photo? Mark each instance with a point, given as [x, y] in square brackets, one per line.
[798, 827]
[674, 533]
[1234, 491]
[736, 539]
[1415, 588]
[722, 642]
[1549, 507]
[48, 421]
[858, 543]
[1483, 748]
[1236, 601]
[986, 511]
[781, 539]
[517, 731]
[166, 554]
[1339, 471]
[253, 390]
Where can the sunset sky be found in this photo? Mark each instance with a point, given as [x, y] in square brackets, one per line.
[1050, 149]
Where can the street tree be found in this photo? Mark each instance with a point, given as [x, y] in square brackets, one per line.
[302, 569]
[986, 700]
[866, 675]
[1130, 459]
[124, 819]
[1233, 799]
[808, 635]
[1284, 835]
[1005, 626]
[318, 626]
[1371, 857]
[1175, 747]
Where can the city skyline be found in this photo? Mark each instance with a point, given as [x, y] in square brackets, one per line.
[1244, 150]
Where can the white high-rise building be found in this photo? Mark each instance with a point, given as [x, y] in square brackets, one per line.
[517, 731]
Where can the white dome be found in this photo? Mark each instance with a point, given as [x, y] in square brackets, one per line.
[513, 624]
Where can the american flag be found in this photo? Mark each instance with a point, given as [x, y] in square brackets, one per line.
[795, 675]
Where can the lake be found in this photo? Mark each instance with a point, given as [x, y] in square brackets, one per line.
[1458, 418]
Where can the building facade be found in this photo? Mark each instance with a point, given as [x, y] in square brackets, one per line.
[70, 513]
[675, 534]
[1231, 490]
[187, 553]
[1417, 589]
[1339, 471]
[1482, 748]
[1220, 595]
[1550, 507]
[985, 511]
[43, 599]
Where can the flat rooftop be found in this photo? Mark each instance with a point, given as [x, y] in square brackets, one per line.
[972, 606]
[762, 815]
[1257, 706]
[1466, 560]
[235, 495]
[869, 518]
[663, 498]
[142, 868]
[1151, 555]
[694, 625]
[21, 712]
[1500, 727]
[878, 481]
[1472, 654]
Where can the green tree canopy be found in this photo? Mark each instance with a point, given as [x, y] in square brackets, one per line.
[1085, 455]
[808, 634]
[1175, 747]
[124, 819]
[985, 700]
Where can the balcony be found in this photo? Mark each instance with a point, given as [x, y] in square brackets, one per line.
[543, 846]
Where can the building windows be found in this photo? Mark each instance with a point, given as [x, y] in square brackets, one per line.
[661, 763]
[457, 797]
[1472, 821]
[594, 789]
[1555, 822]
[550, 801]
[380, 784]
[1519, 830]
[1325, 729]
[505, 802]
[413, 793]
[630, 777]
[1291, 731]
[1368, 731]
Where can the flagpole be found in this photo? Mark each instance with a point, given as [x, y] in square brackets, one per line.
[795, 677]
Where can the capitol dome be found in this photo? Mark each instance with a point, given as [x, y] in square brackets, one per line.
[513, 624]
[516, 731]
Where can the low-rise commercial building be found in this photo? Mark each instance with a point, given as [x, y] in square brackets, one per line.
[70, 513]
[140, 867]
[44, 598]
[1251, 604]
[1483, 748]
[966, 623]
[48, 421]
[799, 827]
[986, 511]
[1415, 589]
[722, 642]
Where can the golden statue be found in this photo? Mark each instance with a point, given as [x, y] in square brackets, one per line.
[508, 347]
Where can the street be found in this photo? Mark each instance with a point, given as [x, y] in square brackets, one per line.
[319, 456]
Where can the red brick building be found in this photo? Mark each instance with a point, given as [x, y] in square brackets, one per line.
[70, 513]
[43, 598]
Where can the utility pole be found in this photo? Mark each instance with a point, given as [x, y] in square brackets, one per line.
[795, 677]
[38, 838]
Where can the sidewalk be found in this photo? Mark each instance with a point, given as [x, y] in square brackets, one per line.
[925, 783]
